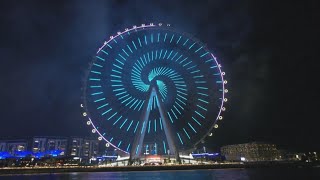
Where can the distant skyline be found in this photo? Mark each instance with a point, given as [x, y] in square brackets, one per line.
[267, 49]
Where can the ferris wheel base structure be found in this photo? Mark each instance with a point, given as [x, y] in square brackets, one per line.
[136, 150]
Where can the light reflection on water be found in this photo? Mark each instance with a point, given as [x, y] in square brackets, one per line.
[216, 174]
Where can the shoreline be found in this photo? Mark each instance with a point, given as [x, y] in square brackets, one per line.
[52, 170]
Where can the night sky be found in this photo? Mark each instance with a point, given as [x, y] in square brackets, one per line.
[268, 50]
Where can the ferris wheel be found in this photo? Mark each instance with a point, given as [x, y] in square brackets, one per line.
[151, 84]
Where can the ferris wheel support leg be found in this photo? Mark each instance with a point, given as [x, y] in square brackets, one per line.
[139, 137]
[167, 129]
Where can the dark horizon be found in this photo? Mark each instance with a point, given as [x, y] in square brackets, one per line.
[267, 50]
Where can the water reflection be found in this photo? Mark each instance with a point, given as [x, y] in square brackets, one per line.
[217, 174]
[141, 175]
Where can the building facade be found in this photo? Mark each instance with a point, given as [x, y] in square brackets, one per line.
[3, 146]
[75, 146]
[254, 151]
[38, 144]
[58, 143]
[13, 146]
[90, 148]
[83, 147]
[41, 146]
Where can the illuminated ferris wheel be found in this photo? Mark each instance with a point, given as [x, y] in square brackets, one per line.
[151, 84]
